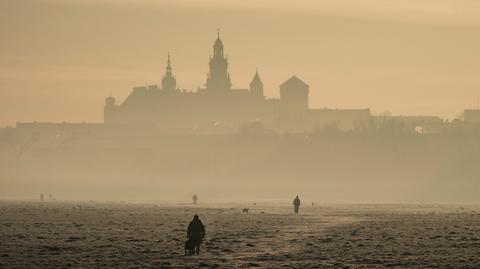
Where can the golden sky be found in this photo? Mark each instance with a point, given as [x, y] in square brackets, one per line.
[60, 59]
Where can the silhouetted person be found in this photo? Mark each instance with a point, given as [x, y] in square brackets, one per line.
[196, 233]
[41, 197]
[195, 198]
[50, 197]
[296, 204]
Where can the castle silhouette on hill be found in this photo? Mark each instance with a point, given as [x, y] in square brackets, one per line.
[218, 106]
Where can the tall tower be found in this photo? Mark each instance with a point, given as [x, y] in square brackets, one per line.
[294, 95]
[256, 87]
[218, 78]
[109, 110]
[169, 83]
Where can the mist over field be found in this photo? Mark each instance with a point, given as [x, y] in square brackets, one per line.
[346, 168]
[59, 60]
[239, 134]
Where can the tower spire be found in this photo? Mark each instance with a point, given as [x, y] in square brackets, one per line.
[169, 66]
[218, 78]
[256, 86]
[169, 82]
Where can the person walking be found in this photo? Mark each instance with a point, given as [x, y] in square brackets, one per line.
[196, 233]
[296, 204]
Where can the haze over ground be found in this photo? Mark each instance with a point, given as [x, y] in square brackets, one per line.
[60, 59]
[375, 191]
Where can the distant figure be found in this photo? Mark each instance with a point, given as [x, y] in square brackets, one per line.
[195, 198]
[50, 196]
[41, 197]
[245, 210]
[195, 234]
[313, 204]
[296, 204]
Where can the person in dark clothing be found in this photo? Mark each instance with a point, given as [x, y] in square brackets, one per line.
[196, 233]
[195, 199]
[296, 204]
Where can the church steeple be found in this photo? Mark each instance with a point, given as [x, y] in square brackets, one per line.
[256, 87]
[169, 83]
[169, 66]
[218, 79]
[218, 47]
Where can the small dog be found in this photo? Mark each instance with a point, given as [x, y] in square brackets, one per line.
[189, 247]
[245, 210]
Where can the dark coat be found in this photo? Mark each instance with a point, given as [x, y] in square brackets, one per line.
[196, 230]
[296, 202]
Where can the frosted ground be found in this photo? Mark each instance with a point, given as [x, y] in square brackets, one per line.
[132, 235]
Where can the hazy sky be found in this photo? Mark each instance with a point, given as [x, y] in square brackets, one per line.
[60, 59]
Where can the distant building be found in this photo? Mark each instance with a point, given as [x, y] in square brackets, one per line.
[413, 120]
[471, 115]
[220, 108]
[340, 119]
[408, 124]
[256, 87]
[468, 123]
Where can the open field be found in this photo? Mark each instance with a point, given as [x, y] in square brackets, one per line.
[93, 235]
